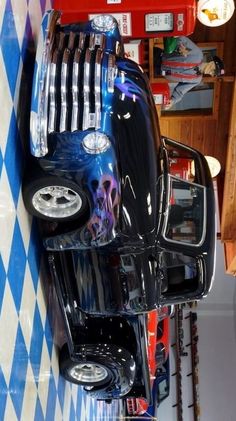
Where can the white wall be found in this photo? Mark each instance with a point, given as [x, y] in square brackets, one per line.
[217, 347]
[217, 353]
[222, 296]
[217, 369]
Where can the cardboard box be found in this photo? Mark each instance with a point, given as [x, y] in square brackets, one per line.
[134, 50]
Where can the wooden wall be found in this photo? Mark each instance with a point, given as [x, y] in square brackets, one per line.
[207, 134]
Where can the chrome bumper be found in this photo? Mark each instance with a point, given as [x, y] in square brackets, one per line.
[39, 102]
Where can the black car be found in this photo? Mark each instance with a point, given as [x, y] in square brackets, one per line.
[131, 213]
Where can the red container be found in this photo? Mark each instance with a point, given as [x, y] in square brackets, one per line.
[137, 18]
[161, 93]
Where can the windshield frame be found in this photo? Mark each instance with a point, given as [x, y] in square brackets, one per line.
[205, 253]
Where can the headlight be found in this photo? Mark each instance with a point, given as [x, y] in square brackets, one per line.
[96, 142]
[104, 23]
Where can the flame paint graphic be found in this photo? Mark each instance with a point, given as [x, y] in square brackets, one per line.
[127, 88]
[106, 199]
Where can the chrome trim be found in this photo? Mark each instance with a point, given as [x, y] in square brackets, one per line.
[43, 117]
[64, 92]
[61, 41]
[111, 73]
[97, 88]
[75, 92]
[71, 41]
[86, 114]
[97, 149]
[40, 91]
[93, 119]
[57, 201]
[52, 94]
[104, 23]
[54, 19]
[82, 37]
[92, 41]
[57, 83]
[96, 39]
[100, 40]
[88, 373]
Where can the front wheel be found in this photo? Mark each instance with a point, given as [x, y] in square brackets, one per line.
[54, 198]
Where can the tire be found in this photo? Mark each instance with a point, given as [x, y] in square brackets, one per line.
[91, 373]
[54, 198]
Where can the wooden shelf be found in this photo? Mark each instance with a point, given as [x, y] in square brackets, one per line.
[216, 83]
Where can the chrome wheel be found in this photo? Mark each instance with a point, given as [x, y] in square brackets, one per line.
[88, 373]
[57, 201]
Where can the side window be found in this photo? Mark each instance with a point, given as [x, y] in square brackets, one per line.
[180, 273]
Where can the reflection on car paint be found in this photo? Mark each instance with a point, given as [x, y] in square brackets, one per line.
[107, 264]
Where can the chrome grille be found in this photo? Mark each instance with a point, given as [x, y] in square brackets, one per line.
[75, 82]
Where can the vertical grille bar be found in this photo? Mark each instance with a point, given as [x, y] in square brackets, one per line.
[82, 37]
[75, 92]
[64, 91]
[92, 41]
[111, 73]
[86, 118]
[52, 93]
[71, 41]
[97, 88]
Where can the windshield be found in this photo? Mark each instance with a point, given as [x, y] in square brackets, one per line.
[184, 218]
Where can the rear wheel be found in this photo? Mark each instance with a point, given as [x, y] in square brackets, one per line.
[90, 373]
[54, 199]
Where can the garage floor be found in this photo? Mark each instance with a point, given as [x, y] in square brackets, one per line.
[30, 331]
